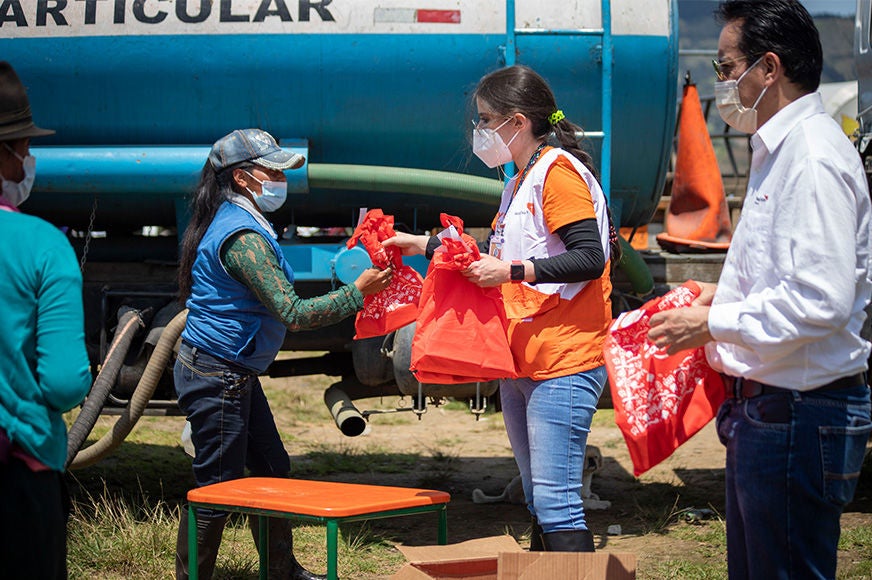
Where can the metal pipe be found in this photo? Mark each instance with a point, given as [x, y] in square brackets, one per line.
[405, 180]
[175, 170]
[131, 170]
[635, 268]
[607, 64]
[345, 414]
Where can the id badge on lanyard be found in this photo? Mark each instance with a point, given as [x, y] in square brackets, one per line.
[498, 239]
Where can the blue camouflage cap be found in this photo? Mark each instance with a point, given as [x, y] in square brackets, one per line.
[255, 146]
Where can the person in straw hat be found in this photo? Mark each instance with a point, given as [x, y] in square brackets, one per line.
[45, 365]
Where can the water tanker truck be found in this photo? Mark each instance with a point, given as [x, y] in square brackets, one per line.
[374, 93]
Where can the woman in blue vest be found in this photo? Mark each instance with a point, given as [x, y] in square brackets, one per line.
[239, 292]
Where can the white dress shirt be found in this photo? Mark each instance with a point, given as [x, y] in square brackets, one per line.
[789, 303]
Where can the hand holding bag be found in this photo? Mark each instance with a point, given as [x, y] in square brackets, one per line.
[460, 335]
[660, 400]
[396, 305]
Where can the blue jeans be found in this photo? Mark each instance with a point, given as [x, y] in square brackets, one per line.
[232, 426]
[547, 423]
[793, 462]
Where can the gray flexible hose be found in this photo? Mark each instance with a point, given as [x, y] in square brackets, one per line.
[138, 401]
[128, 326]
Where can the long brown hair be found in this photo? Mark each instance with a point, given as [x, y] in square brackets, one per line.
[213, 190]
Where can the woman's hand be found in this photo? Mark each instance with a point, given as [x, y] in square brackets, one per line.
[488, 272]
[410, 244]
[373, 280]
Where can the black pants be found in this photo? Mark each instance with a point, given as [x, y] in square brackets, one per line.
[34, 508]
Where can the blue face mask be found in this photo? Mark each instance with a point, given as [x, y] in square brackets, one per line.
[17, 193]
[272, 196]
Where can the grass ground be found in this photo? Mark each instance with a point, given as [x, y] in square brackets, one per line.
[125, 508]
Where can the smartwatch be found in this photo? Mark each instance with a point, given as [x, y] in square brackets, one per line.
[517, 274]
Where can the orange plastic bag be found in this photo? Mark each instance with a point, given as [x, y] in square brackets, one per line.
[396, 305]
[460, 335]
[660, 400]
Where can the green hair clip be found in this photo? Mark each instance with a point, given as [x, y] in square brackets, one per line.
[556, 117]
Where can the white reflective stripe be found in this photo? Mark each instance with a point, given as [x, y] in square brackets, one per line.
[394, 15]
[383, 15]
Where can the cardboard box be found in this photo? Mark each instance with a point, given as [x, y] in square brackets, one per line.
[566, 566]
[501, 558]
[473, 559]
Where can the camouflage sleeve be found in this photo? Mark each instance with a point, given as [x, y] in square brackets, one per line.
[250, 260]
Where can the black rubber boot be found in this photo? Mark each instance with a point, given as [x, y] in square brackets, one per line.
[536, 544]
[282, 563]
[209, 531]
[572, 541]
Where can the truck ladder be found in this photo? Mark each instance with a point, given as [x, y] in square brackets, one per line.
[605, 33]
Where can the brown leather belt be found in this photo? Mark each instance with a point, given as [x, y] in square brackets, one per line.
[741, 388]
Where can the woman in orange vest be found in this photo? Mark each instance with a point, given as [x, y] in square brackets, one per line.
[551, 243]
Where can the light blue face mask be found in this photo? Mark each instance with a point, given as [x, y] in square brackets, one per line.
[272, 196]
[17, 193]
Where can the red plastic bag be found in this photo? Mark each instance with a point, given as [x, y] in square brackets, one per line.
[396, 305]
[660, 400]
[460, 335]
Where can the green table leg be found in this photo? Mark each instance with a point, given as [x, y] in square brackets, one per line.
[332, 549]
[193, 569]
[263, 550]
[443, 525]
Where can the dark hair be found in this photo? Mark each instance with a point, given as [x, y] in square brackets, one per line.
[519, 89]
[781, 26]
[213, 190]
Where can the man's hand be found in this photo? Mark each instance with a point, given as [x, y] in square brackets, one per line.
[706, 295]
[680, 329]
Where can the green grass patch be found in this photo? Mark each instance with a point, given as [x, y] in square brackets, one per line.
[685, 570]
[857, 540]
[602, 418]
[111, 537]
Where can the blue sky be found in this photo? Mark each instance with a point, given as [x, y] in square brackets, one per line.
[840, 7]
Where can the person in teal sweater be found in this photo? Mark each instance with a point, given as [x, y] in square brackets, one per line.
[45, 365]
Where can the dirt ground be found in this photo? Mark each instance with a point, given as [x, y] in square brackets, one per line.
[466, 454]
[448, 449]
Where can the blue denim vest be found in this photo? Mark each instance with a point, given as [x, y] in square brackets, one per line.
[225, 318]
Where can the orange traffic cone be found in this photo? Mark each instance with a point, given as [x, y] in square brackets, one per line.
[697, 219]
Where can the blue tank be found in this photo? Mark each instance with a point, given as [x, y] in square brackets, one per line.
[375, 94]
[138, 90]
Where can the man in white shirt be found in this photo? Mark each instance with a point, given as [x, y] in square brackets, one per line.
[783, 322]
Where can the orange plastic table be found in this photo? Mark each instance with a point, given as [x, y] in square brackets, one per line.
[319, 501]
